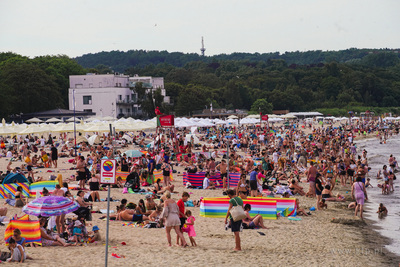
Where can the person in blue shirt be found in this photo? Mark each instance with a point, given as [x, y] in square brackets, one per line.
[253, 183]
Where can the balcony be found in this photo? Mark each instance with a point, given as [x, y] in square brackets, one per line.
[133, 114]
[126, 102]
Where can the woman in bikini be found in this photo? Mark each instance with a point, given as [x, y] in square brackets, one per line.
[19, 198]
[242, 185]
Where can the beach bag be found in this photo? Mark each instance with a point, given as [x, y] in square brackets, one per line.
[4, 256]
[237, 212]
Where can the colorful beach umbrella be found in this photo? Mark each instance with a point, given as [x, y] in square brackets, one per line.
[50, 206]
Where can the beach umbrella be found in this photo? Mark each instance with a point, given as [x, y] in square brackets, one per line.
[72, 119]
[34, 120]
[50, 206]
[133, 153]
[94, 139]
[53, 120]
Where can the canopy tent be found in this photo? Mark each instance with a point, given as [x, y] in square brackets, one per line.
[5, 131]
[12, 178]
[98, 127]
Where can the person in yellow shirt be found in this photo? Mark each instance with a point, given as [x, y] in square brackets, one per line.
[29, 166]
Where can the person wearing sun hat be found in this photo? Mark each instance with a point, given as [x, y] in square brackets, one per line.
[96, 234]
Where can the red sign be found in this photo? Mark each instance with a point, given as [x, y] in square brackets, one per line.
[264, 118]
[165, 120]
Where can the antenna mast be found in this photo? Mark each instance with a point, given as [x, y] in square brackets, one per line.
[202, 49]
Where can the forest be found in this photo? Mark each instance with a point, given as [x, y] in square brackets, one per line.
[332, 82]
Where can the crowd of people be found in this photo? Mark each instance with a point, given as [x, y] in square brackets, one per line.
[270, 160]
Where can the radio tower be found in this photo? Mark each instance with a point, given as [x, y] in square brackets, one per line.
[202, 49]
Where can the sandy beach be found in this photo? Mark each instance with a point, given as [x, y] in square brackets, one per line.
[332, 237]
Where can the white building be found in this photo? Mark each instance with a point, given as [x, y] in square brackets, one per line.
[109, 94]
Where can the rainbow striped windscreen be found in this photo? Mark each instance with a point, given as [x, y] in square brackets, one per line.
[196, 179]
[30, 230]
[36, 188]
[267, 207]
[12, 189]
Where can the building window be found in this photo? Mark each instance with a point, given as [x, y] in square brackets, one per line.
[119, 97]
[78, 85]
[127, 98]
[120, 111]
[128, 110]
[133, 97]
[90, 85]
[87, 99]
[88, 110]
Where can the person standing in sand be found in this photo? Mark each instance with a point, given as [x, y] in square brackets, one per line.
[222, 167]
[311, 174]
[359, 193]
[80, 165]
[235, 226]
[171, 215]
[54, 155]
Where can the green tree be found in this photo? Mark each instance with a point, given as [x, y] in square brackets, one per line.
[262, 105]
[192, 98]
[29, 88]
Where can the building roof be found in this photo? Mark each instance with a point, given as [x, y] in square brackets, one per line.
[58, 113]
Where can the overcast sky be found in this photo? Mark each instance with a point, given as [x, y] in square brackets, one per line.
[77, 27]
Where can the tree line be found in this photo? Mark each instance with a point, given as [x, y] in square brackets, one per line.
[298, 81]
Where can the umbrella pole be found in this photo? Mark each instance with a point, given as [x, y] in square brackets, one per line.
[108, 222]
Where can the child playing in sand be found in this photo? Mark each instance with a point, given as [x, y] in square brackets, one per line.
[368, 183]
[77, 233]
[96, 234]
[190, 227]
[385, 188]
[382, 211]
[17, 251]
[322, 204]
